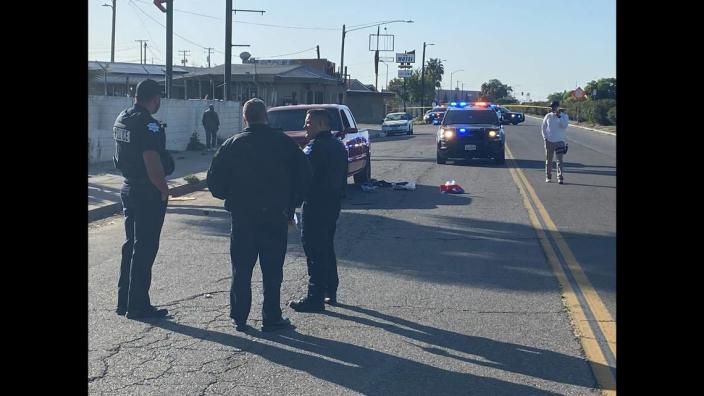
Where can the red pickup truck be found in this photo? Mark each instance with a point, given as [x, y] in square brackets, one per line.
[292, 118]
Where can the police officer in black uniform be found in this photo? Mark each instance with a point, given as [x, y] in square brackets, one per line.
[141, 156]
[263, 176]
[328, 159]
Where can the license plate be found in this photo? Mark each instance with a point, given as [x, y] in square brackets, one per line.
[470, 147]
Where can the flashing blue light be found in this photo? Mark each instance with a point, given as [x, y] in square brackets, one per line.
[453, 103]
[463, 130]
[463, 104]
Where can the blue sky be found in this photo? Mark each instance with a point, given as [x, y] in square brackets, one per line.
[535, 46]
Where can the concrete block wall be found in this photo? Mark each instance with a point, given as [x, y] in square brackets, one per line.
[182, 117]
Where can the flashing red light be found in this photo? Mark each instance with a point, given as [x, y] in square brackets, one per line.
[481, 104]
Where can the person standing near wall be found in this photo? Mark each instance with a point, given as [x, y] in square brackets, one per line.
[211, 123]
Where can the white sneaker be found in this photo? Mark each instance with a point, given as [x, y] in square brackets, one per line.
[547, 180]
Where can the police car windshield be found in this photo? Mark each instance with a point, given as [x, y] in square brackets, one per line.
[470, 117]
[294, 119]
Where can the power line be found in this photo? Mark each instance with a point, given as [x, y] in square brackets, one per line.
[164, 26]
[286, 27]
[145, 26]
[292, 53]
[248, 23]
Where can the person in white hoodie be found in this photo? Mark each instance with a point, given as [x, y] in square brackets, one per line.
[554, 129]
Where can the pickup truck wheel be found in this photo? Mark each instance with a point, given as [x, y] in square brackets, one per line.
[365, 175]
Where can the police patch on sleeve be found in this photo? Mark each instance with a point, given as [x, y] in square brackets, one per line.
[307, 149]
[121, 134]
[153, 127]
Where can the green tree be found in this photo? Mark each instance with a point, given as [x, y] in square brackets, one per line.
[507, 100]
[556, 96]
[494, 89]
[434, 71]
[605, 88]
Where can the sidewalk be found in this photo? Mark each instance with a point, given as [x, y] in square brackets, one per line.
[104, 181]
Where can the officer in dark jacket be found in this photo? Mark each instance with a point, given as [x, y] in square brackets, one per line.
[328, 158]
[211, 123]
[140, 154]
[263, 176]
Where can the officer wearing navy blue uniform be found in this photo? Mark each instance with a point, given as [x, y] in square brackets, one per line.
[321, 209]
[263, 176]
[141, 156]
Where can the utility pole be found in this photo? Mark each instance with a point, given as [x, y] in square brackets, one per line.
[376, 59]
[169, 46]
[227, 88]
[145, 53]
[342, 54]
[112, 40]
[184, 52]
[422, 79]
[317, 47]
[169, 40]
[209, 51]
[140, 50]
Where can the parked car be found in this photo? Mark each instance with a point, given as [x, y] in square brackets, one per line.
[436, 114]
[426, 117]
[397, 123]
[511, 117]
[291, 120]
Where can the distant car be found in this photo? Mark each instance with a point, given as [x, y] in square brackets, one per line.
[511, 117]
[397, 123]
[426, 117]
[471, 131]
[435, 115]
[291, 119]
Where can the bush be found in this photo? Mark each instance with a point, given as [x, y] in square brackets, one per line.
[195, 144]
[612, 115]
[191, 179]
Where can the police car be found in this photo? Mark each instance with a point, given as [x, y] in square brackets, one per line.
[470, 130]
[510, 117]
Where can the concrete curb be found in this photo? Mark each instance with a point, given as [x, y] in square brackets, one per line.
[577, 126]
[177, 187]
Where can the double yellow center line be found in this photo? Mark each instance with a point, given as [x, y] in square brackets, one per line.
[604, 321]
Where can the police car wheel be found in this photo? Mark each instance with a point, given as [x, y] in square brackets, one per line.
[441, 160]
[501, 158]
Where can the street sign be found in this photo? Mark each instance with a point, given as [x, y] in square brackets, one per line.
[405, 58]
[578, 93]
[404, 66]
[405, 73]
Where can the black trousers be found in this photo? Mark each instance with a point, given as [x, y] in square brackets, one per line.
[211, 137]
[318, 236]
[266, 239]
[144, 216]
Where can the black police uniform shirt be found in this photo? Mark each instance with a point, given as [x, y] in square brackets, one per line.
[328, 159]
[260, 172]
[136, 131]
